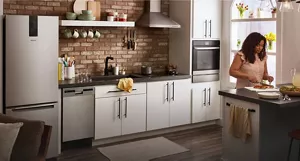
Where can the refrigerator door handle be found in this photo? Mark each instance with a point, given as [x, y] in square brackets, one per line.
[42, 106]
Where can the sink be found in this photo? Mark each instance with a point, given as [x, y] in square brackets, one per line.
[113, 77]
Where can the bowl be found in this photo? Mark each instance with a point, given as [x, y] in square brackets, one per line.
[71, 16]
[87, 12]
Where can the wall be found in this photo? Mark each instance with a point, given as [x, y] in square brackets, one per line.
[152, 44]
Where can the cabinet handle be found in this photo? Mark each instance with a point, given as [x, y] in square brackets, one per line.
[126, 108]
[173, 91]
[119, 115]
[209, 91]
[205, 28]
[204, 102]
[209, 28]
[168, 91]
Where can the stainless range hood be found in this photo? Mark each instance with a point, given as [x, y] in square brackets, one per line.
[152, 17]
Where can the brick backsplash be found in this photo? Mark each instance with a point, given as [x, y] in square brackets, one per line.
[152, 43]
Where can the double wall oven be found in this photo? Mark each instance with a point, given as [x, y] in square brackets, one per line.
[206, 60]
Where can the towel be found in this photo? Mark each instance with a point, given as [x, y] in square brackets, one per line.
[240, 122]
[125, 84]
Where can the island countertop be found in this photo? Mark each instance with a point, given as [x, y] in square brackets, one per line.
[252, 96]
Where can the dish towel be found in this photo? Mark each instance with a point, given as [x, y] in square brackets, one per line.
[125, 84]
[240, 122]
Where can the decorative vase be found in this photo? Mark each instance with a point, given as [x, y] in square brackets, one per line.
[270, 46]
[273, 15]
[241, 14]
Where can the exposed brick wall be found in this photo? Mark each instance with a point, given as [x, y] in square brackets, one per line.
[152, 44]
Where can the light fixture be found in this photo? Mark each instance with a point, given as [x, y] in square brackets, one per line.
[298, 5]
[286, 5]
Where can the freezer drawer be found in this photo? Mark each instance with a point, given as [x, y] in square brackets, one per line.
[43, 112]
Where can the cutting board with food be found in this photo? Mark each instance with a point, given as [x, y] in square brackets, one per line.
[263, 88]
[290, 90]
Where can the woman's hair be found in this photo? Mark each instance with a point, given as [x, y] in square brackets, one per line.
[250, 44]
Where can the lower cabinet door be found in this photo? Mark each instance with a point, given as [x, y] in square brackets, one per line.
[133, 114]
[108, 114]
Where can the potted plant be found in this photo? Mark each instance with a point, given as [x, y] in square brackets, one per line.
[241, 8]
[270, 37]
[274, 10]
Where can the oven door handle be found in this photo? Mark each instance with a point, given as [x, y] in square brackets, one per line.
[206, 48]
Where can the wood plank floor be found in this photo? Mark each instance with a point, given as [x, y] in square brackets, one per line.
[205, 144]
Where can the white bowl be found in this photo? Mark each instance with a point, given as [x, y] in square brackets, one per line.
[269, 95]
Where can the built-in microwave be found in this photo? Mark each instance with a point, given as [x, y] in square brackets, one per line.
[206, 60]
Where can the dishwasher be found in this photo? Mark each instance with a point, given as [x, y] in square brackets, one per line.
[78, 113]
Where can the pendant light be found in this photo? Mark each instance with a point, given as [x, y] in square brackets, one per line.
[286, 5]
[298, 5]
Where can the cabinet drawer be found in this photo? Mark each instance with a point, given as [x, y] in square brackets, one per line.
[112, 90]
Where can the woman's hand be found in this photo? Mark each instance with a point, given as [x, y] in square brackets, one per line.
[252, 79]
[270, 78]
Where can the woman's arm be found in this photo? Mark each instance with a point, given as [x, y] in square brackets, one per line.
[266, 74]
[235, 68]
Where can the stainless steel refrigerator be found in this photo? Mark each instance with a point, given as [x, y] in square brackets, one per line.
[30, 58]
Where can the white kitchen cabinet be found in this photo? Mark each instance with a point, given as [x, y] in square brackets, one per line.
[168, 104]
[119, 113]
[205, 102]
[206, 19]
[107, 117]
[133, 114]
[158, 105]
[116, 116]
[180, 102]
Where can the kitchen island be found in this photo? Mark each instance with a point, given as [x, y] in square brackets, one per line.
[271, 121]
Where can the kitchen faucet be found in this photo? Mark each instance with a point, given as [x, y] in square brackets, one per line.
[106, 70]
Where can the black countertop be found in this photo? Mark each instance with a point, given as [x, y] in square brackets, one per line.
[136, 78]
[251, 96]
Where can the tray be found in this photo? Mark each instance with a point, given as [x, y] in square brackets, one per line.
[290, 93]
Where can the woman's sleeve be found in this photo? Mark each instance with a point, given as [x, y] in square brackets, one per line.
[242, 56]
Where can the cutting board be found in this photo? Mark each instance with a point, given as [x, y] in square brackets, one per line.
[96, 8]
[79, 5]
[263, 90]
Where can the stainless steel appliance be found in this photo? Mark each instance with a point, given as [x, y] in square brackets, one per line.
[78, 113]
[30, 58]
[206, 60]
[146, 70]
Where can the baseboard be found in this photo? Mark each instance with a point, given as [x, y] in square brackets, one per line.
[151, 133]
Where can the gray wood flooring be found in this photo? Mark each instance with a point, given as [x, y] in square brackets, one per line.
[205, 144]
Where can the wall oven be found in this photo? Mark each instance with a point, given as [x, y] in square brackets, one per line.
[205, 60]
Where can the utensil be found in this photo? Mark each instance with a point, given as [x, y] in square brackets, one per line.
[128, 40]
[134, 40]
[131, 39]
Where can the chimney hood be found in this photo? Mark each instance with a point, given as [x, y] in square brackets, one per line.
[152, 17]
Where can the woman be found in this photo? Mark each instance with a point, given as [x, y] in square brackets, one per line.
[250, 63]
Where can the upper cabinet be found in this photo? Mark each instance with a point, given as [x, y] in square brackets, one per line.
[206, 19]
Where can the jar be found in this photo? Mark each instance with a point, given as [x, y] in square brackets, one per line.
[123, 17]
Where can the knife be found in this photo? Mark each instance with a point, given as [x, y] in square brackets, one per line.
[131, 39]
[128, 40]
[134, 40]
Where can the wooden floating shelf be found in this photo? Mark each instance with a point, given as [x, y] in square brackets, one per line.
[253, 19]
[96, 23]
[268, 52]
